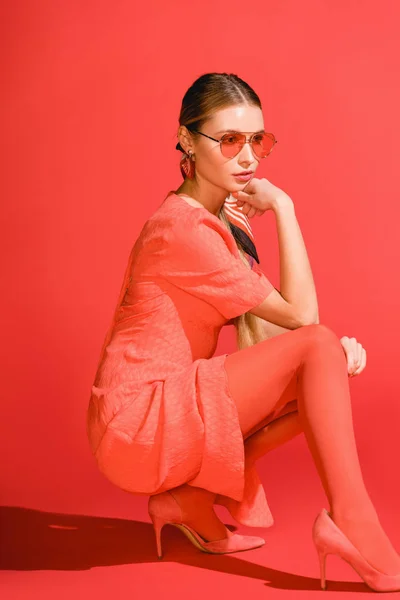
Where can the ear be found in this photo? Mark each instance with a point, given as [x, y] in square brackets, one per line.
[184, 138]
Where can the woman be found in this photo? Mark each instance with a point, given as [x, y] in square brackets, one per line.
[168, 419]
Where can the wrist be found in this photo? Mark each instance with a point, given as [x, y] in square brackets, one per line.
[283, 203]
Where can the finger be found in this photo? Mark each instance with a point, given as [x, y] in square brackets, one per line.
[251, 212]
[248, 210]
[241, 196]
[347, 353]
[363, 363]
[358, 356]
[347, 346]
[351, 362]
[353, 345]
[358, 360]
[353, 358]
[344, 341]
[359, 352]
[245, 208]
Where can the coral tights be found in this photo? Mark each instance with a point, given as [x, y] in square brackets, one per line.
[303, 373]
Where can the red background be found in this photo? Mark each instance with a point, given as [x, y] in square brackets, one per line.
[92, 92]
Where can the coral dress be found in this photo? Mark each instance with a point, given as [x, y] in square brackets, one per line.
[160, 412]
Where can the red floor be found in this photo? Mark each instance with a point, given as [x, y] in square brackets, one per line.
[71, 555]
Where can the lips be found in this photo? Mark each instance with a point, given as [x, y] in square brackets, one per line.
[244, 173]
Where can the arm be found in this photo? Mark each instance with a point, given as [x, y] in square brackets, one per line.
[272, 330]
[295, 305]
[296, 279]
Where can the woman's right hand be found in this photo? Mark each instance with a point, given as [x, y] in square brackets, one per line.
[260, 195]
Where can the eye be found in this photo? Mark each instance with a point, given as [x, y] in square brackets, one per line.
[259, 138]
[230, 138]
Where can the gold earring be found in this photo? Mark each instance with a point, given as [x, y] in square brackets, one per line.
[187, 165]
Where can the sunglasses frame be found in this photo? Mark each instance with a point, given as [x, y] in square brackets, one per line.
[250, 141]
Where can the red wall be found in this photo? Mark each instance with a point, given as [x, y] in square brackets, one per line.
[91, 96]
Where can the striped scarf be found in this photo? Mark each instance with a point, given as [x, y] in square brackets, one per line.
[240, 227]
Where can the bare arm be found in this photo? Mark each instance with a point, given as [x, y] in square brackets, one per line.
[296, 279]
[296, 303]
[272, 330]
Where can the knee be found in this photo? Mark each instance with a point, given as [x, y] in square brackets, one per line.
[318, 335]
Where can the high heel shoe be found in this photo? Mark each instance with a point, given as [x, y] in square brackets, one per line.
[163, 508]
[329, 539]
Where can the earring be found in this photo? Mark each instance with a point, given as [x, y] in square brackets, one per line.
[187, 165]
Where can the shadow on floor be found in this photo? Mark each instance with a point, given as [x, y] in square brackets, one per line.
[36, 540]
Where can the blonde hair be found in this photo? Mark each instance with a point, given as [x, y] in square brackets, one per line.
[250, 329]
[209, 93]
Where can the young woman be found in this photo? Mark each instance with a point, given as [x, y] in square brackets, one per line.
[166, 417]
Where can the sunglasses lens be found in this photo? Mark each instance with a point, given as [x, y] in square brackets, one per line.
[232, 143]
[263, 144]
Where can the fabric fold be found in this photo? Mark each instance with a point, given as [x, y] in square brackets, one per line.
[253, 510]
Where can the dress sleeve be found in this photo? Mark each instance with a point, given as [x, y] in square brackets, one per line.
[204, 261]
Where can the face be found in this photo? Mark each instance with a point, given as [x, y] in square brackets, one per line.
[210, 163]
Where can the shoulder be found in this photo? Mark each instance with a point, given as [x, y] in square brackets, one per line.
[199, 226]
[180, 229]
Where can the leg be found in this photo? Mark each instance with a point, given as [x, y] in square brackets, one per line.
[312, 358]
[200, 501]
[278, 427]
[315, 358]
[269, 433]
[272, 435]
[265, 439]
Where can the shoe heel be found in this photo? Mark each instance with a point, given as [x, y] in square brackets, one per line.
[322, 566]
[158, 524]
[329, 539]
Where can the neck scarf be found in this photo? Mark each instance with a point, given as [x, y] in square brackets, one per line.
[240, 227]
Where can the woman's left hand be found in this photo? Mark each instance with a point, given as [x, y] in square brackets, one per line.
[355, 354]
[248, 210]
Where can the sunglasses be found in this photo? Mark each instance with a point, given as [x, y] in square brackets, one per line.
[232, 143]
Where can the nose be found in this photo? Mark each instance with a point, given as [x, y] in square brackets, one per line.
[246, 153]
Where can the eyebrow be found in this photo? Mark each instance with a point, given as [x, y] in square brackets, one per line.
[237, 131]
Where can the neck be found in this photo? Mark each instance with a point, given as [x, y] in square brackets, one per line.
[213, 202]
